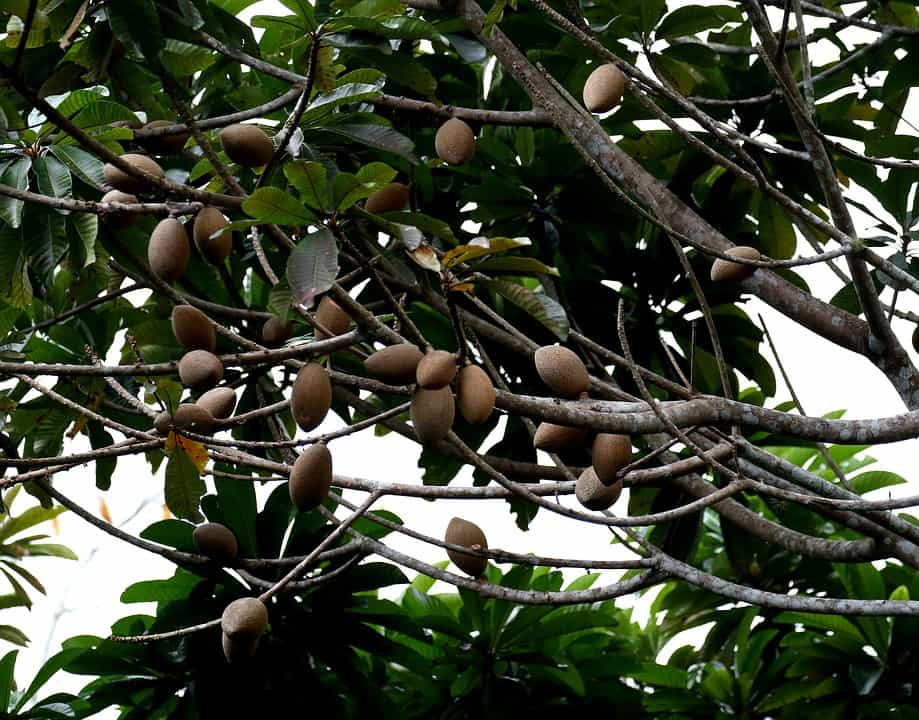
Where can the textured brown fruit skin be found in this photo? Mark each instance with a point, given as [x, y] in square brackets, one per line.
[162, 423]
[330, 315]
[215, 250]
[475, 394]
[593, 494]
[455, 142]
[120, 220]
[557, 438]
[436, 370]
[247, 145]
[562, 371]
[237, 650]
[191, 417]
[168, 250]
[462, 532]
[432, 413]
[275, 332]
[219, 402]
[392, 198]
[726, 271]
[200, 370]
[164, 144]
[244, 619]
[603, 89]
[193, 329]
[311, 396]
[395, 364]
[216, 541]
[124, 182]
[609, 455]
[311, 478]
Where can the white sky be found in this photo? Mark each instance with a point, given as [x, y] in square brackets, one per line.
[83, 597]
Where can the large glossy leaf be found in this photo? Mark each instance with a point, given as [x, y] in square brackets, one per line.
[538, 305]
[184, 486]
[312, 266]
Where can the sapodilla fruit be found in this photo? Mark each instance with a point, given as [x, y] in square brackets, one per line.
[162, 423]
[462, 532]
[219, 402]
[244, 619]
[120, 220]
[436, 370]
[311, 478]
[193, 329]
[562, 371]
[275, 332]
[200, 370]
[168, 250]
[593, 494]
[216, 541]
[392, 198]
[727, 271]
[247, 145]
[557, 438]
[475, 394]
[164, 144]
[213, 249]
[191, 417]
[609, 455]
[237, 650]
[915, 339]
[603, 88]
[432, 413]
[330, 315]
[395, 364]
[311, 396]
[120, 180]
[455, 142]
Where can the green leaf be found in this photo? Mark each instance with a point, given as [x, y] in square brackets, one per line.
[875, 480]
[52, 176]
[7, 681]
[184, 59]
[270, 204]
[184, 486]
[692, 19]
[311, 181]
[16, 176]
[312, 266]
[13, 635]
[538, 305]
[776, 233]
[515, 266]
[379, 137]
[85, 166]
[137, 25]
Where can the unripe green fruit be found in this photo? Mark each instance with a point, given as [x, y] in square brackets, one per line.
[119, 220]
[246, 618]
[432, 413]
[562, 371]
[311, 478]
[462, 532]
[200, 370]
[610, 454]
[603, 89]
[219, 402]
[247, 145]
[275, 333]
[213, 249]
[395, 365]
[475, 395]
[330, 315]
[168, 250]
[557, 438]
[165, 144]
[727, 271]
[193, 329]
[191, 417]
[392, 198]
[455, 142]
[216, 541]
[436, 370]
[120, 180]
[593, 494]
[311, 396]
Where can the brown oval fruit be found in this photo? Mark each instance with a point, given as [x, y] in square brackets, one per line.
[168, 250]
[216, 541]
[275, 333]
[219, 402]
[200, 370]
[432, 413]
[164, 144]
[247, 144]
[556, 438]
[392, 198]
[311, 477]
[562, 371]
[916, 339]
[214, 249]
[193, 329]
[311, 396]
[455, 142]
[246, 618]
[593, 494]
[727, 271]
[462, 532]
[395, 364]
[120, 180]
[436, 370]
[238, 649]
[475, 394]
[191, 417]
[332, 318]
[609, 455]
[603, 89]
[120, 220]
[162, 423]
